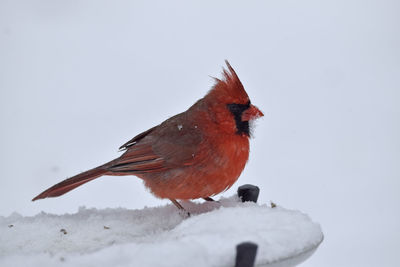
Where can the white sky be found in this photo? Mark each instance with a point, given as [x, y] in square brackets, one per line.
[80, 78]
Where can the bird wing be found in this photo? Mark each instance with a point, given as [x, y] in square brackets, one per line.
[174, 143]
[135, 139]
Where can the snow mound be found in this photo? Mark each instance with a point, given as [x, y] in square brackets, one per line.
[158, 236]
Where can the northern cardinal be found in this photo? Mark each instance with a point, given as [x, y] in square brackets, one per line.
[195, 154]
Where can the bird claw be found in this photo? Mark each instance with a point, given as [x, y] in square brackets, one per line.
[185, 214]
[182, 210]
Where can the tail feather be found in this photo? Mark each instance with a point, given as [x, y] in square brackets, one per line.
[71, 183]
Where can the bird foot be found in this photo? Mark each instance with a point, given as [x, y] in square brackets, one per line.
[185, 214]
[182, 210]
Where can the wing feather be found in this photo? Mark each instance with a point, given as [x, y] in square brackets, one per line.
[135, 139]
[172, 144]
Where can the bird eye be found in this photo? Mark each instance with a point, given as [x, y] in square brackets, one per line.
[237, 109]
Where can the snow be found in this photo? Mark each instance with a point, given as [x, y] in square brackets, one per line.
[158, 236]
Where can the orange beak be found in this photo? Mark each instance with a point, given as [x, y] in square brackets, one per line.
[251, 113]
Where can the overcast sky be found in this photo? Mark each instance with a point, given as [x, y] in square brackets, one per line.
[80, 78]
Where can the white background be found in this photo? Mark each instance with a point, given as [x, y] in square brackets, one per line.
[80, 78]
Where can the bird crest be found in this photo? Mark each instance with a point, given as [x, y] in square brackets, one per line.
[229, 89]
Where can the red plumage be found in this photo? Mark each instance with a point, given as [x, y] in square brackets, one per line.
[195, 154]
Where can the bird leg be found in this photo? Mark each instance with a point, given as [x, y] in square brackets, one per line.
[211, 200]
[179, 206]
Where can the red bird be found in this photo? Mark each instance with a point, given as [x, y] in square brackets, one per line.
[195, 154]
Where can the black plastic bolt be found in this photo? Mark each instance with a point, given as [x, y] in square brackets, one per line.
[248, 192]
[246, 254]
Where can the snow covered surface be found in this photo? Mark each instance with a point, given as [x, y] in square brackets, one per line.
[159, 236]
